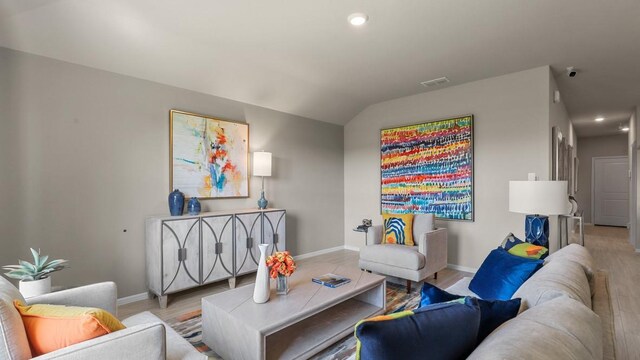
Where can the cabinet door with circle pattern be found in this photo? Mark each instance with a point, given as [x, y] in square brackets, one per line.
[273, 225]
[217, 248]
[180, 254]
[248, 237]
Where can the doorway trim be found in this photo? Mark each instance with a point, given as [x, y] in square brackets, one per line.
[593, 184]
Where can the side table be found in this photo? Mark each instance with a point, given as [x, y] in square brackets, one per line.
[366, 234]
[568, 225]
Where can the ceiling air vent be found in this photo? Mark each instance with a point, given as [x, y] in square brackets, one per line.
[435, 82]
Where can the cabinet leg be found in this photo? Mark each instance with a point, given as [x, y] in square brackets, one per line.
[232, 283]
[435, 276]
[163, 301]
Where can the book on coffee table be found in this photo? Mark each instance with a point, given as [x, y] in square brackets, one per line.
[331, 280]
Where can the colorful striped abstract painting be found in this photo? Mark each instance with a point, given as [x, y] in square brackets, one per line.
[428, 168]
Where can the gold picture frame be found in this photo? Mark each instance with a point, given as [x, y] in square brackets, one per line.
[208, 157]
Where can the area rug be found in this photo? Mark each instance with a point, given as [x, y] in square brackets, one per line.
[189, 326]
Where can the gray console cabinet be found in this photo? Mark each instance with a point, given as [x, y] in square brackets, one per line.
[183, 252]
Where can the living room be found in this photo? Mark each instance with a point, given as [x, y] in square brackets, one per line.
[87, 89]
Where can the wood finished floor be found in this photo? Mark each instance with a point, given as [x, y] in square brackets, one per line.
[189, 300]
[608, 245]
[612, 252]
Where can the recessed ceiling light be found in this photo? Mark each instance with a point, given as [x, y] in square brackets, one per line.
[625, 129]
[358, 19]
[598, 119]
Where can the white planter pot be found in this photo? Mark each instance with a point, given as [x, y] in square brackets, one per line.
[34, 288]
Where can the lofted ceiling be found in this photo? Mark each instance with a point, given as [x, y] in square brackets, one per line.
[302, 57]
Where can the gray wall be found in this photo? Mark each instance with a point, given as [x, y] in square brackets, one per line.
[84, 156]
[559, 117]
[511, 138]
[589, 147]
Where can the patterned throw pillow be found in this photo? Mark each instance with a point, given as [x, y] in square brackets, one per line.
[523, 248]
[398, 229]
[510, 241]
[528, 250]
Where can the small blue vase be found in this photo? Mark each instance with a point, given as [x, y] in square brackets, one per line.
[176, 203]
[193, 206]
[262, 202]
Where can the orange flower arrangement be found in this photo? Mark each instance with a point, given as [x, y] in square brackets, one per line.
[281, 263]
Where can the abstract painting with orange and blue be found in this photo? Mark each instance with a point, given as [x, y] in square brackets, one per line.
[209, 157]
[428, 168]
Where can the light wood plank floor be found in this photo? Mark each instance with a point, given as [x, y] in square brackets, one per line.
[608, 245]
[189, 300]
[613, 252]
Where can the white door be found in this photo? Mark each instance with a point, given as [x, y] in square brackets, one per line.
[611, 190]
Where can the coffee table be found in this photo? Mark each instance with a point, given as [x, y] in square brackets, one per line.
[297, 325]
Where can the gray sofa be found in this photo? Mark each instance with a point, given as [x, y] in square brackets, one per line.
[557, 318]
[146, 336]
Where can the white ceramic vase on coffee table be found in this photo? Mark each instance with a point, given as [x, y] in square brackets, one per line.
[261, 289]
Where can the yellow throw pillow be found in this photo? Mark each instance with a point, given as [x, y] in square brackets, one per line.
[53, 327]
[398, 229]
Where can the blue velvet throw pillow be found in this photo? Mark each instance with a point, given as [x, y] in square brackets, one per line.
[501, 274]
[436, 332]
[492, 312]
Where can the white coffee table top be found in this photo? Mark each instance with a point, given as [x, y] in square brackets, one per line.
[305, 297]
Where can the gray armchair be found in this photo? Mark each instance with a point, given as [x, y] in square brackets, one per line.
[146, 336]
[413, 263]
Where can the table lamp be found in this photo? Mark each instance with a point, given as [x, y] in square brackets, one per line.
[538, 199]
[262, 167]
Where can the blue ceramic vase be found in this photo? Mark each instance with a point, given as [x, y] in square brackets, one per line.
[262, 202]
[193, 206]
[176, 203]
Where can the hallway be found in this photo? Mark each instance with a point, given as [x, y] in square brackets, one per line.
[612, 252]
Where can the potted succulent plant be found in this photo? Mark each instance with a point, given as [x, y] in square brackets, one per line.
[34, 278]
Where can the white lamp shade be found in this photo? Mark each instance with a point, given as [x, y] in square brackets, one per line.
[262, 163]
[538, 197]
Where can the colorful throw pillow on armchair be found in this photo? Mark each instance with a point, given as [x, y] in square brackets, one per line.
[398, 229]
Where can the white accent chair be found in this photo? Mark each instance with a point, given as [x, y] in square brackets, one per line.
[146, 336]
[413, 263]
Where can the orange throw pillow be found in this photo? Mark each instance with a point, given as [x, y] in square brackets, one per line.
[53, 327]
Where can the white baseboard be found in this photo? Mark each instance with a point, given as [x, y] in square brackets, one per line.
[352, 248]
[132, 298]
[638, 250]
[462, 268]
[316, 253]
